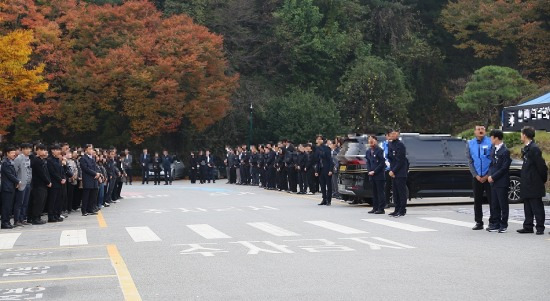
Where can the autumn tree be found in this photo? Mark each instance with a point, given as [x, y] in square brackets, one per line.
[515, 32]
[19, 83]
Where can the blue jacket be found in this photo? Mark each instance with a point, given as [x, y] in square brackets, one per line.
[89, 171]
[376, 163]
[499, 169]
[167, 162]
[385, 146]
[9, 177]
[479, 156]
[397, 155]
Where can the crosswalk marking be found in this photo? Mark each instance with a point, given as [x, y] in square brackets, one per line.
[336, 227]
[73, 238]
[8, 240]
[399, 225]
[272, 229]
[207, 231]
[448, 221]
[140, 234]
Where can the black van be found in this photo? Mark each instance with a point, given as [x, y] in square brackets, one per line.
[438, 168]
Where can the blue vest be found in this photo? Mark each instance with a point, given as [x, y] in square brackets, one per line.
[480, 151]
[385, 148]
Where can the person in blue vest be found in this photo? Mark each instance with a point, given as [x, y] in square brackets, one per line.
[499, 177]
[10, 183]
[478, 152]
[376, 165]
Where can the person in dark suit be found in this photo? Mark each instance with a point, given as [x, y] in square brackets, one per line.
[499, 177]
[58, 177]
[271, 168]
[290, 165]
[167, 161]
[534, 174]
[376, 165]
[254, 166]
[40, 183]
[90, 184]
[311, 165]
[157, 167]
[301, 161]
[210, 166]
[399, 166]
[193, 168]
[144, 161]
[10, 183]
[203, 169]
[325, 166]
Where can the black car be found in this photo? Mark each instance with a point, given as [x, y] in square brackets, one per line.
[438, 168]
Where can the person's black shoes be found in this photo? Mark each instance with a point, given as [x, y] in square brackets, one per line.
[502, 230]
[322, 204]
[328, 204]
[38, 222]
[380, 212]
[92, 213]
[84, 214]
[492, 229]
[7, 226]
[372, 211]
[478, 227]
[393, 214]
[524, 231]
[52, 220]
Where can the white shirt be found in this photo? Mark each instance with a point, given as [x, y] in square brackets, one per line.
[498, 146]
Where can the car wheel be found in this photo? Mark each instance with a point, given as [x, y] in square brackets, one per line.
[513, 192]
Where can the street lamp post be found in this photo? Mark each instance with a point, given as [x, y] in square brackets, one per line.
[250, 130]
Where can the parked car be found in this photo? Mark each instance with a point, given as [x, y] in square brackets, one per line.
[438, 168]
[178, 171]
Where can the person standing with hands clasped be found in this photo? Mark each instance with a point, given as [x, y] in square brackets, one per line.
[478, 152]
[534, 174]
[499, 177]
[10, 183]
[399, 168]
[376, 165]
[325, 166]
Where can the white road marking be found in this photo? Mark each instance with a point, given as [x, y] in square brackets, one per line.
[336, 227]
[448, 221]
[398, 225]
[140, 234]
[73, 238]
[8, 240]
[272, 229]
[208, 231]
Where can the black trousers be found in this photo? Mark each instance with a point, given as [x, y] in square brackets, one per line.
[157, 176]
[232, 175]
[118, 189]
[167, 176]
[378, 195]
[255, 175]
[128, 175]
[39, 196]
[89, 199]
[388, 188]
[326, 186]
[245, 174]
[54, 200]
[8, 198]
[271, 176]
[534, 208]
[144, 175]
[193, 175]
[311, 183]
[292, 178]
[400, 195]
[500, 208]
[302, 181]
[479, 190]
[70, 197]
[77, 197]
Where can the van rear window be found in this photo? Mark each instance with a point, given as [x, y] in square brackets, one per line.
[353, 148]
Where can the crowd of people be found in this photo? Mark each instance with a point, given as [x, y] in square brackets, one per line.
[303, 169]
[57, 181]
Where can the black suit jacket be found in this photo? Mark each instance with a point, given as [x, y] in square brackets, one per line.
[325, 164]
[397, 155]
[57, 172]
[144, 160]
[499, 169]
[89, 171]
[40, 174]
[376, 163]
[534, 172]
[9, 177]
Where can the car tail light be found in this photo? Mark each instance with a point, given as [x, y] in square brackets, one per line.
[357, 162]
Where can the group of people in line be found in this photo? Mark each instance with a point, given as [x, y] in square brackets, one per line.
[56, 181]
[282, 166]
[161, 166]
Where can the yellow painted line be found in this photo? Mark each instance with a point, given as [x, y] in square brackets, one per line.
[101, 220]
[127, 284]
[58, 279]
[53, 261]
[56, 248]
